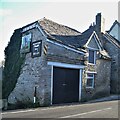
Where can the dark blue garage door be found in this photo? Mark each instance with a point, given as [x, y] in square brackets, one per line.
[65, 85]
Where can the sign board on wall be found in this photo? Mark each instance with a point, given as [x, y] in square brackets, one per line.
[36, 48]
[26, 41]
[29, 27]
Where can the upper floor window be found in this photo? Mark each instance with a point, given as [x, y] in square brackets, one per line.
[92, 56]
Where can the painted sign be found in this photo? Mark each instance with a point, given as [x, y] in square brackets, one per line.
[26, 41]
[36, 48]
[29, 27]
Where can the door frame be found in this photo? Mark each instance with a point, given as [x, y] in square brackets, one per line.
[65, 65]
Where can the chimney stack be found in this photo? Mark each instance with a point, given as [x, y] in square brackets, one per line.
[100, 23]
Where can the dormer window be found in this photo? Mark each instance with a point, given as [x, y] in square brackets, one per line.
[92, 56]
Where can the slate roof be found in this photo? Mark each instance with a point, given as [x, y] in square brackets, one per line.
[116, 22]
[53, 28]
[86, 35]
[112, 39]
[68, 36]
[105, 35]
[61, 33]
[65, 35]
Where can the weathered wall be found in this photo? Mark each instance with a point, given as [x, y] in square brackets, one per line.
[102, 71]
[119, 71]
[114, 53]
[62, 54]
[102, 80]
[35, 71]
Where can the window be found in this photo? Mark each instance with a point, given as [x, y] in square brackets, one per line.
[92, 56]
[90, 80]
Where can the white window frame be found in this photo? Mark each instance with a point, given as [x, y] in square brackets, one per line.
[93, 79]
[94, 50]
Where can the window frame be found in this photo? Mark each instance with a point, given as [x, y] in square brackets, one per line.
[93, 79]
[95, 51]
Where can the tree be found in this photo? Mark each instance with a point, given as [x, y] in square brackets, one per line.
[12, 65]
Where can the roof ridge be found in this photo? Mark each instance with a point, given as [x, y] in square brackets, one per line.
[44, 18]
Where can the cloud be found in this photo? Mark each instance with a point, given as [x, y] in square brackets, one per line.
[5, 12]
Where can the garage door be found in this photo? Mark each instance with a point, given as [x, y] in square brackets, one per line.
[65, 85]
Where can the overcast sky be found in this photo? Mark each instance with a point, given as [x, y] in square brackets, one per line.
[78, 15]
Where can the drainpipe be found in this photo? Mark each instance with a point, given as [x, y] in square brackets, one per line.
[35, 91]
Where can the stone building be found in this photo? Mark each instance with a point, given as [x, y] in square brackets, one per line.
[63, 65]
[112, 45]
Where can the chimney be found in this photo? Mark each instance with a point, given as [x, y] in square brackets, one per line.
[100, 23]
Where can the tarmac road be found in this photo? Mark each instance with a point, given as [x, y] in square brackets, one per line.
[107, 109]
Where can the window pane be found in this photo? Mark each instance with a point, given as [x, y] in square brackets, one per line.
[90, 75]
[89, 82]
[91, 56]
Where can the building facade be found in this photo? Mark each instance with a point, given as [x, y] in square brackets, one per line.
[112, 45]
[62, 65]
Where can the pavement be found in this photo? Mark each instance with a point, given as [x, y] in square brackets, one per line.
[100, 108]
[109, 98]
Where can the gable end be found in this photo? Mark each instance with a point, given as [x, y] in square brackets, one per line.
[93, 42]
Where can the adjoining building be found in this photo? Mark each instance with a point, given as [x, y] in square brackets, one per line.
[1, 70]
[63, 65]
[112, 44]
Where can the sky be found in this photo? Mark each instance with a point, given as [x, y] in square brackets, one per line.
[76, 14]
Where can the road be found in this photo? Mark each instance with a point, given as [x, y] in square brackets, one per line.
[108, 109]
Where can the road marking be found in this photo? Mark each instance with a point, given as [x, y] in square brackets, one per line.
[59, 107]
[53, 108]
[48, 108]
[18, 111]
[85, 113]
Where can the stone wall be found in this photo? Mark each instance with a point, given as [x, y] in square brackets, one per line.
[33, 72]
[61, 54]
[102, 72]
[36, 72]
[115, 65]
[119, 71]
